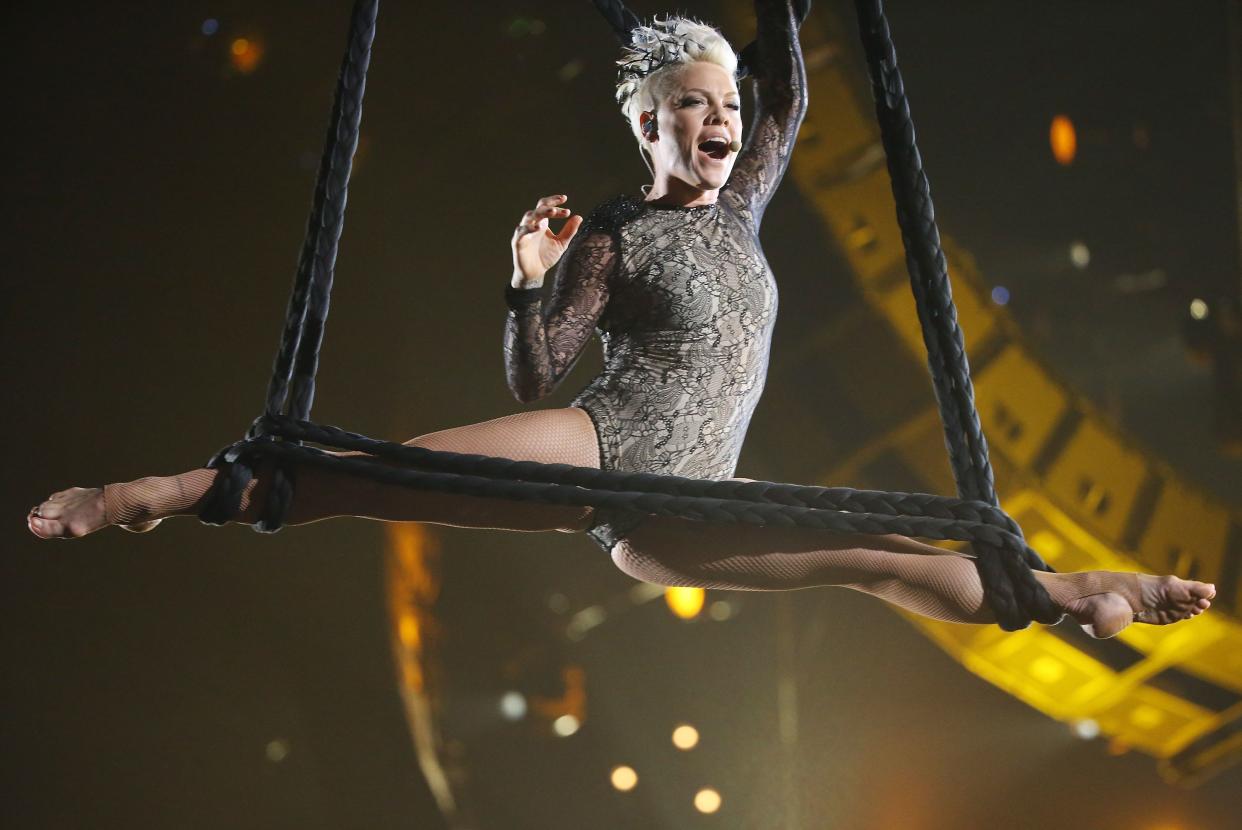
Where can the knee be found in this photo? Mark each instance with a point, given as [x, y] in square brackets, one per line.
[640, 565]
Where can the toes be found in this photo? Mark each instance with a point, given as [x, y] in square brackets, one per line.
[50, 510]
[43, 528]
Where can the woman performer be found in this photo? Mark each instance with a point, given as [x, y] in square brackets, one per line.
[676, 285]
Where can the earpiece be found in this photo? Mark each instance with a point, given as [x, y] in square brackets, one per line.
[649, 128]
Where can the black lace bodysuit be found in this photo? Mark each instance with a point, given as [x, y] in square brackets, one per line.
[682, 299]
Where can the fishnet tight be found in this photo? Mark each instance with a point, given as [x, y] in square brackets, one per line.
[927, 580]
[554, 436]
[913, 575]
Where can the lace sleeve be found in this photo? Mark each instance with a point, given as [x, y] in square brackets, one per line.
[542, 346]
[780, 103]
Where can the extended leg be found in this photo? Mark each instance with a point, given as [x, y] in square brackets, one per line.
[564, 436]
[918, 577]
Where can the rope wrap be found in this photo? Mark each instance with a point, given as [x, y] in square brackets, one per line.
[1004, 559]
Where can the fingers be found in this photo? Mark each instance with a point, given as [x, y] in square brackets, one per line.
[571, 228]
[528, 224]
[549, 207]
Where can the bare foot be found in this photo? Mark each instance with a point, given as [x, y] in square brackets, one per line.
[75, 512]
[68, 514]
[1157, 600]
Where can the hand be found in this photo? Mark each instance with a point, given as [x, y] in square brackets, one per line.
[535, 247]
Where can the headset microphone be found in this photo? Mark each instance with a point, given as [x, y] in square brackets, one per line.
[735, 145]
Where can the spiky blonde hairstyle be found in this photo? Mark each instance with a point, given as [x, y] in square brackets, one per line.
[649, 67]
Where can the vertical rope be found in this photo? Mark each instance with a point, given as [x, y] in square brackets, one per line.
[1011, 589]
[291, 389]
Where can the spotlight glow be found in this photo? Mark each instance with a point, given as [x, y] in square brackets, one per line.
[1146, 717]
[1063, 139]
[624, 778]
[513, 706]
[276, 750]
[1198, 309]
[245, 55]
[1086, 729]
[1000, 295]
[1046, 669]
[1079, 254]
[686, 603]
[685, 737]
[210, 26]
[707, 800]
[565, 725]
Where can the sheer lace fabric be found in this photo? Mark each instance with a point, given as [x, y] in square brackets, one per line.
[682, 299]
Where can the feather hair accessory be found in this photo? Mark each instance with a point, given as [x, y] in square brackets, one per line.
[653, 47]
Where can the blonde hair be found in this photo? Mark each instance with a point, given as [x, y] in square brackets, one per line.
[650, 67]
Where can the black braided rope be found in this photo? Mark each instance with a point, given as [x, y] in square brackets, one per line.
[1012, 590]
[1004, 558]
[297, 358]
[699, 508]
[985, 518]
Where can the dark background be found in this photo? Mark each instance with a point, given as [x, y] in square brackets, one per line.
[154, 206]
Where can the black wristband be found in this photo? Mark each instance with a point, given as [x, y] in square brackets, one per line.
[522, 298]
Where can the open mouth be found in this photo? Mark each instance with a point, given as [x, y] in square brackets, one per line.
[716, 148]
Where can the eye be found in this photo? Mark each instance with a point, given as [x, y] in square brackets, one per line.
[689, 102]
[734, 106]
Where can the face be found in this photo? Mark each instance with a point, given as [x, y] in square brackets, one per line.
[703, 105]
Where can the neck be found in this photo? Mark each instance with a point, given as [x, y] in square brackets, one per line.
[669, 190]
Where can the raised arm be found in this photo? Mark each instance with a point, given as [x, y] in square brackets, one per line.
[780, 103]
[543, 344]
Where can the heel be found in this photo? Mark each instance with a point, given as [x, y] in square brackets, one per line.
[142, 527]
[1111, 614]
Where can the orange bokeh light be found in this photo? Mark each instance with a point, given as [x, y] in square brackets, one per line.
[245, 54]
[1063, 139]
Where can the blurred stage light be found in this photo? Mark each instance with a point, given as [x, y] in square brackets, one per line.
[210, 26]
[685, 737]
[1047, 669]
[1079, 254]
[1000, 295]
[1198, 309]
[1063, 139]
[565, 725]
[245, 55]
[707, 800]
[1085, 729]
[586, 619]
[513, 706]
[624, 778]
[721, 610]
[686, 603]
[1146, 717]
[276, 750]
